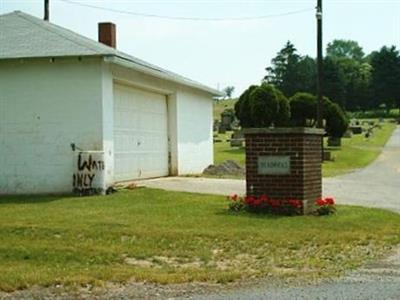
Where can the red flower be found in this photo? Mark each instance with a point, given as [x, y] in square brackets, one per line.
[249, 200]
[263, 198]
[295, 203]
[320, 202]
[274, 203]
[330, 201]
[257, 202]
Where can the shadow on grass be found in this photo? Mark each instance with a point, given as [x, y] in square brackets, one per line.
[31, 199]
[250, 215]
[330, 148]
[234, 151]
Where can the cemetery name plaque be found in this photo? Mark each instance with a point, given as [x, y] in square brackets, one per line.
[273, 165]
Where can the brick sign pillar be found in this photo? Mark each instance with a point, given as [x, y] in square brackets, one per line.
[284, 163]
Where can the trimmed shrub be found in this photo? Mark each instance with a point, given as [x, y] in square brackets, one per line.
[264, 105]
[303, 108]
[242, 108]
[336, 120]
[283, 116]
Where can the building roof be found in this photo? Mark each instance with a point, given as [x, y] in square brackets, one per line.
[25, 36]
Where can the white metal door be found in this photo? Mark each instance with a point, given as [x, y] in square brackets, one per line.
[140, 134]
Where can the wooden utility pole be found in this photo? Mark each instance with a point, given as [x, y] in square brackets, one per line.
[319, 64]
[46, 10]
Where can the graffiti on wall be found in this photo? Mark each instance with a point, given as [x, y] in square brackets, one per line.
[88, 177]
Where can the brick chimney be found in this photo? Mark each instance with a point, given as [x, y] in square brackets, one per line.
[107, 34]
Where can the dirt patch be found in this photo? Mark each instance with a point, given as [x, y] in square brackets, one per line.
[227, 167]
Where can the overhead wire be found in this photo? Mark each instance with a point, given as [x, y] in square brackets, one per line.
[180, 18]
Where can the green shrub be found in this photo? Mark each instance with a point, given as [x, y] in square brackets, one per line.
[264, 105]
[242, 108]
[336, 120]
[303, 108]
[283, 116]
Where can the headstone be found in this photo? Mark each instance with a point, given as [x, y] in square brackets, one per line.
[334, 142]
[284, 163]
[348, 134]
[328, 156]
[215, 125]
[237, 134]
[221, 129]
[356, 129]
[235, 124]
[226, 119]
[237, 142]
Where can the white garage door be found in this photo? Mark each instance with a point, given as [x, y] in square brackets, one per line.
[140, 134]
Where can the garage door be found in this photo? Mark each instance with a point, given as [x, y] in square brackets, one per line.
[140, 134]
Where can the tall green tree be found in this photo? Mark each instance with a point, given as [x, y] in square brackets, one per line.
[386, 76]
[291, 72]
[353, 90]
[228, 91]
[345, 49]
[334, 81]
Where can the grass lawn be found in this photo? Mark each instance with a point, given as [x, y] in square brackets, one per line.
[356, 152]
[169, 237]
[220, 106]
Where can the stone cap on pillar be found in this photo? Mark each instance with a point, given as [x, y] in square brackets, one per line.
[285, 130]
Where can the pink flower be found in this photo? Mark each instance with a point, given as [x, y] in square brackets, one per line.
[233, 197]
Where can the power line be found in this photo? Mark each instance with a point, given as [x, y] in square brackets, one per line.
[138, 14]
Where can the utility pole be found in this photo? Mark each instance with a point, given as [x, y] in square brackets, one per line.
[319, 65]
[46, 10]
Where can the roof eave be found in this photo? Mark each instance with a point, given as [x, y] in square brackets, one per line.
[144, 69]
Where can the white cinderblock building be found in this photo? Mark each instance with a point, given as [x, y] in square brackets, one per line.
[60, 91]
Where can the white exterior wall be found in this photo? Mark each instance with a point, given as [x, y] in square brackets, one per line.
[195, 132]
[44, 107]
[190, 117]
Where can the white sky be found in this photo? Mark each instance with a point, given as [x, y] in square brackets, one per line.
[229, 52]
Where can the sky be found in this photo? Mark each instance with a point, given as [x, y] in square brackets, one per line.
[228, 52]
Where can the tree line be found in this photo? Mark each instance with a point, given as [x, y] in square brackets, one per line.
[352, 79]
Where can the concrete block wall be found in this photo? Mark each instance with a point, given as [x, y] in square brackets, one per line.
[45, 105]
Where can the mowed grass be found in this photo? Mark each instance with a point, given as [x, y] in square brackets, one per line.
[223, 151]
[169, 237]
[221, 105]
[355, 153]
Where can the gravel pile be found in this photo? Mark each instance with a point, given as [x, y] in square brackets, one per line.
[227, 167]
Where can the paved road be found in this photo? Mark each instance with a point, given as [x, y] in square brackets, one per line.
[377, 185]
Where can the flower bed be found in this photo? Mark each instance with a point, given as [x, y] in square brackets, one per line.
[265, 205]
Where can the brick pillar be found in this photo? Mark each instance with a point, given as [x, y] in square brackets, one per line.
[284, 163]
